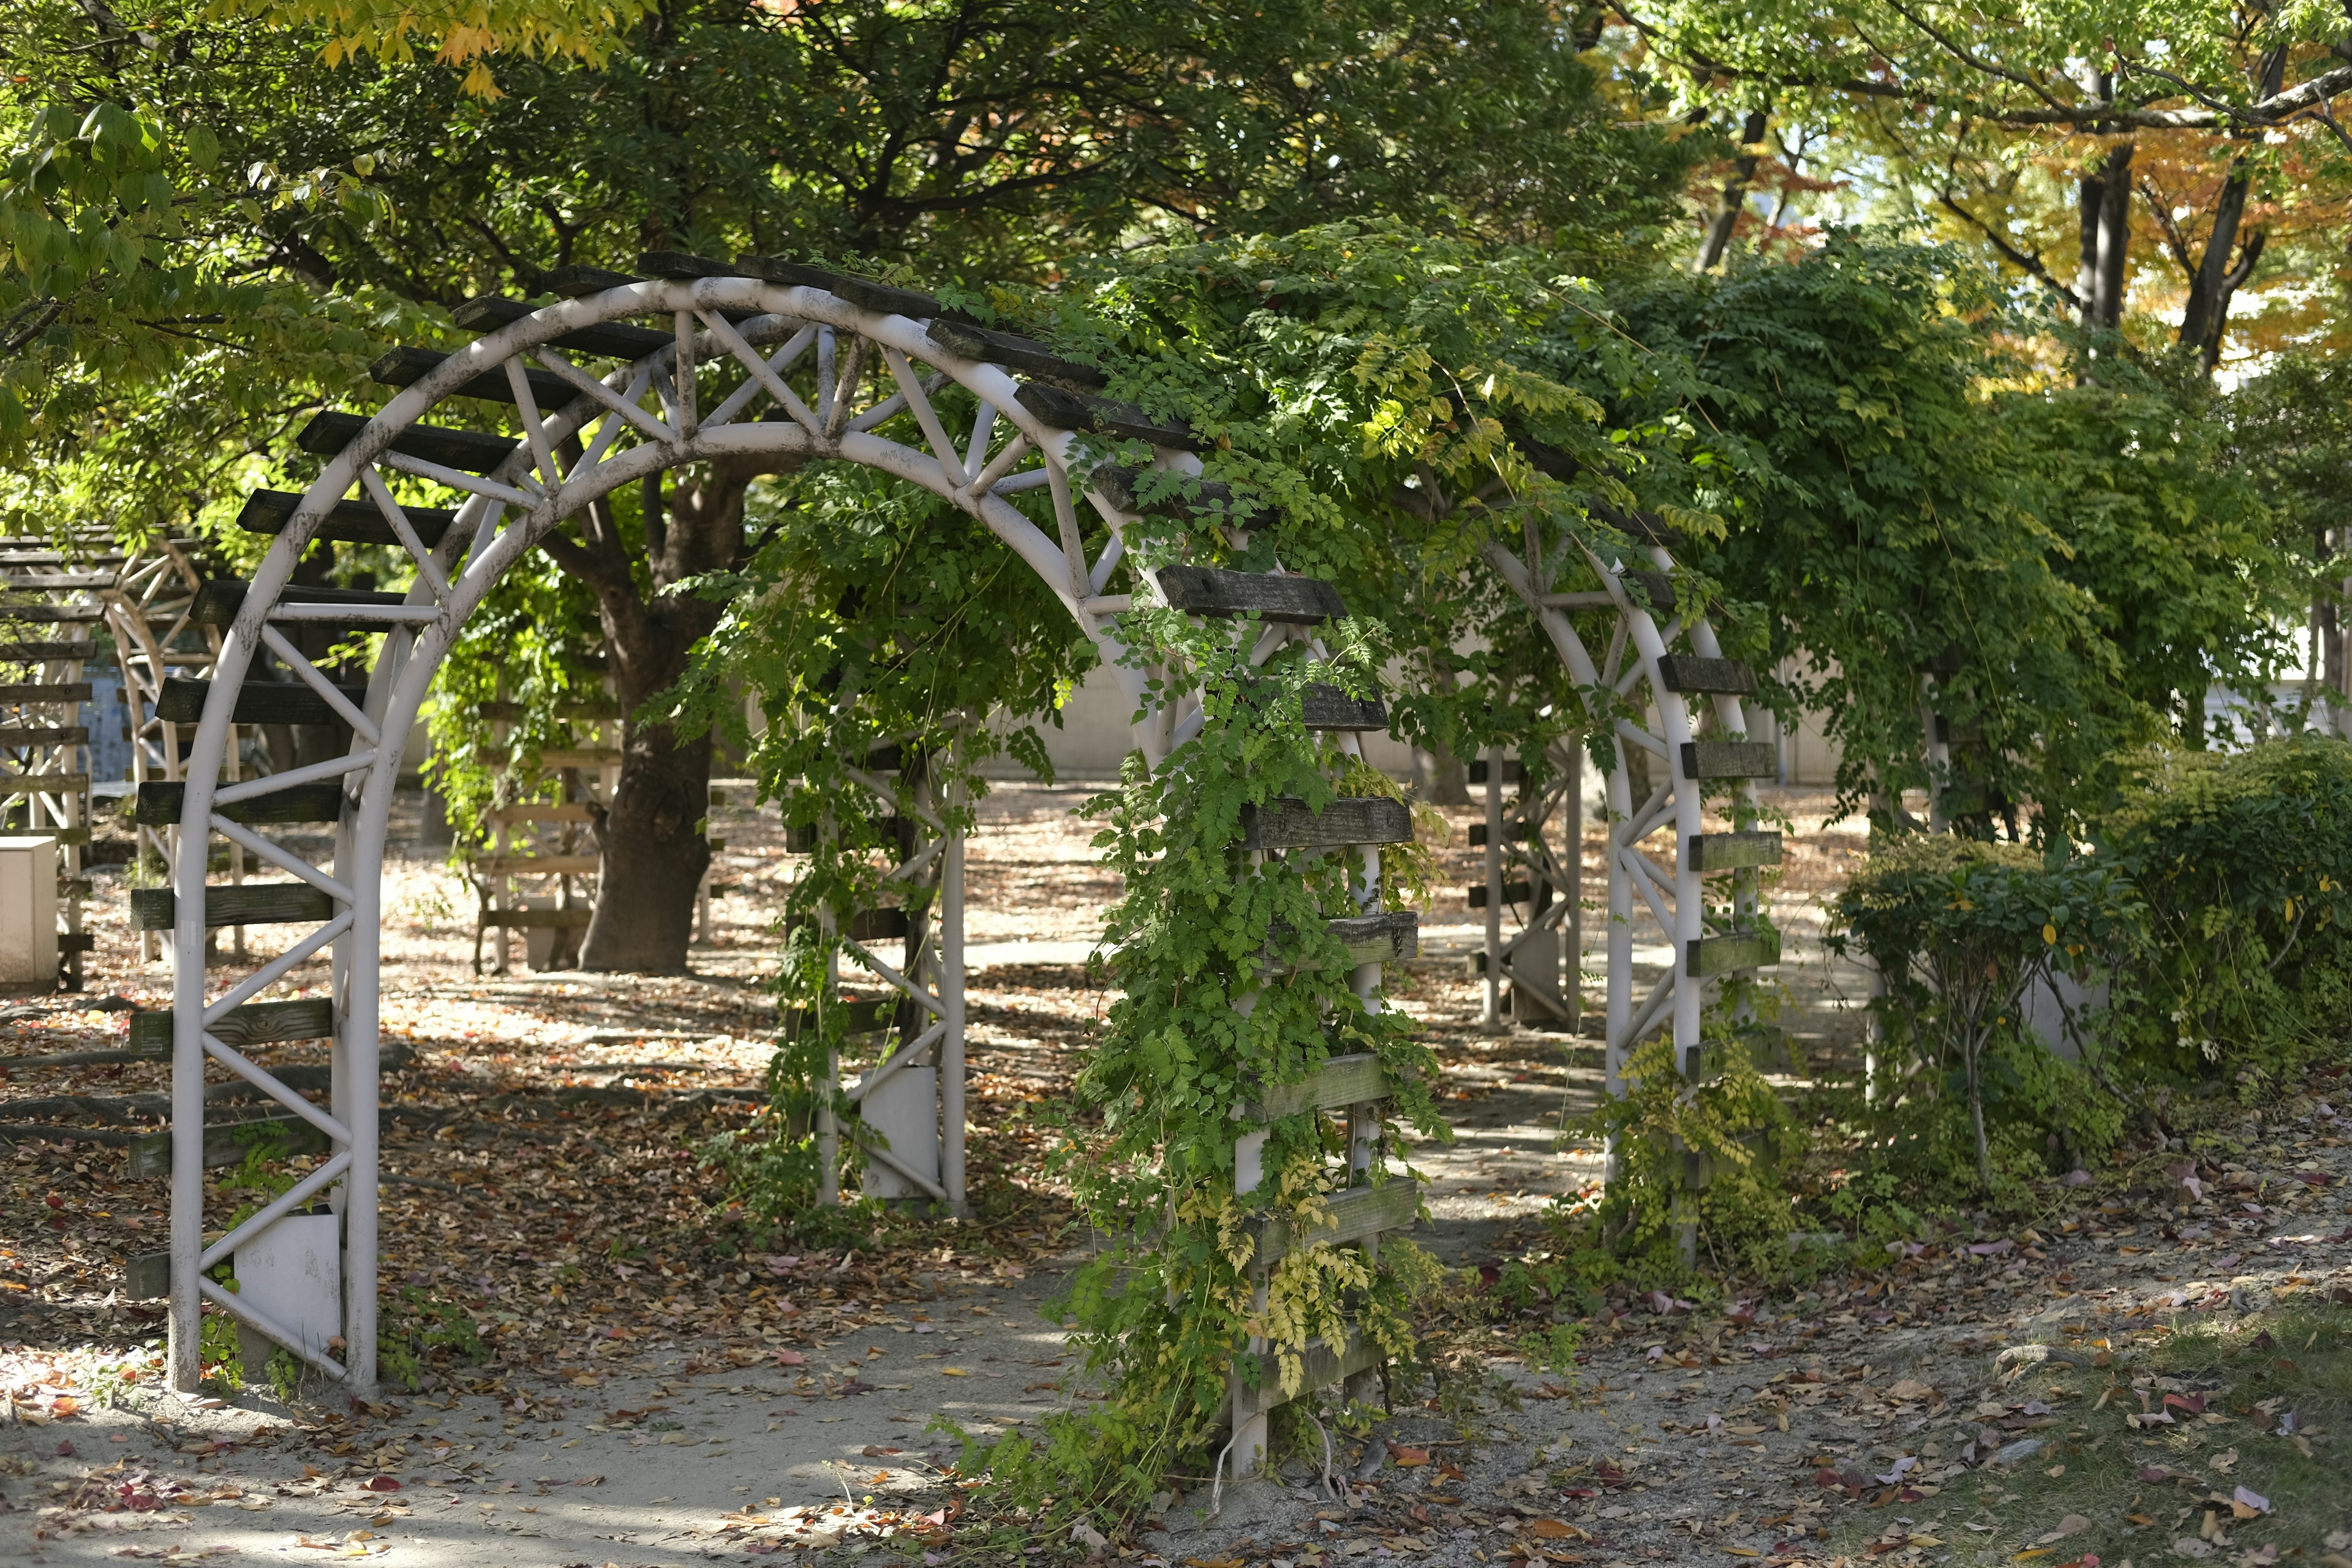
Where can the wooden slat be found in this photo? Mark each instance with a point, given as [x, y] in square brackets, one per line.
[58, 735]
[577, 281]
[258, 702]
[1712, 955]
[43, 784]
[1732, 851]
[1356, 819]
[1323, 706]
[535, 866]
[608, 340]
[574, 919]
[1320, 1365]
[66, 835]
[1118, 486]
[350, 523]
[558, 756]
[255, 1023]
[864, 1017]
[1212, 591]
[1026, 355]
[1730, 760]
[407, 367]
[1513, 832]
[161, 804]
[45, 691]
[51, 614]
[1379, 939]
[1658, 586]
[1356, 1214]
[1704, 1063]
[467, 451]
[46, 652]
[55, 580]
[147, 1277]
[505, 815]
[1513, 893]
[254, 903]
[227, 1143]
[1512, 771]
[869, 925]
[1341, 1081]
[867, 293]
[218, 601]
[590, 707]
[1068, 410]
[1690, 674]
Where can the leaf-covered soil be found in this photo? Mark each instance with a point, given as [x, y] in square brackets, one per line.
[621, 1370]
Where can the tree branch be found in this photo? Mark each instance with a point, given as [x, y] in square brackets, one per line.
[2027, 261]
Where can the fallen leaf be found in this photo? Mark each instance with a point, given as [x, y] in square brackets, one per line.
[1547, 1530]
[1407, 1457]
[877, 1451]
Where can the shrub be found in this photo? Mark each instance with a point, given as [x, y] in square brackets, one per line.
[2241, 859]
[1960, 930]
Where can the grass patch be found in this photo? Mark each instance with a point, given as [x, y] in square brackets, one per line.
[2145, 1490]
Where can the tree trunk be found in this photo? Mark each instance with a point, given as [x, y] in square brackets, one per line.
[652, 852]
[2207, 315]
[2107, 237]
[1735, 196]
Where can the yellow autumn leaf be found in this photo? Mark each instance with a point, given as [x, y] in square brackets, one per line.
[2050, 934]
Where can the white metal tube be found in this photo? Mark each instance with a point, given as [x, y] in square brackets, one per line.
[270, 974]
[294, 660]
[261, 1322]
[229, 1056]
[270, 783]
[283, 860]
[1492, 1016]
[286, 1202]
[951, 982]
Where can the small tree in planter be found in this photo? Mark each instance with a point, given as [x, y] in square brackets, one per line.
[1962, 930]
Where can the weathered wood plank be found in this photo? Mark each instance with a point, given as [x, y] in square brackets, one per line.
[44, 652]
[1388, 938]
[252, 904]
[218, 601]
[576, 281]
[350, 523]
[42, 784]
[1730, 760]
[1212, 591]
[1691, 674]
[407, 367]
[1512, 770]
[1513, 832]
[868, 925]
[1120, 487]
[1341, 1081]
[1656, 587]
[467, 451]
[45, 691]
[1068, 410]
[147, 1277]
[1357, 819]
[573, 919]
[255, 1023]
[1513, 893]
[536, 866]
[50, 614]
[258, 702]
[1323, 706]
[1356, 1214]
[864, 1017]
[1712, 955]
[867, 293]
[558, 756]
[606, 339]
[161, 804]
[227, 1143]
[1320, 1366]
[52, 735]
[1026, 355]
[1732, 851]
[595, 710]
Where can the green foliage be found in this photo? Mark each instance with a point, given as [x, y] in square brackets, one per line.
[1906, 492]
[2241, 859]
[1735, 1129]
[1960, 930]
[420, 1328]
[1230, 981]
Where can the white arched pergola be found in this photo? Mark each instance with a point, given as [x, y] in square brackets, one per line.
[802, 342]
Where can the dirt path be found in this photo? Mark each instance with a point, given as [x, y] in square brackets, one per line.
[545, 1127]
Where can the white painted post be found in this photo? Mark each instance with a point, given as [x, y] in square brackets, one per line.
[1492, 1016]
[951, 1061]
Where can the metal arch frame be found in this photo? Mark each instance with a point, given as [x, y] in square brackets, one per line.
[506, 514]
[1629, 664]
